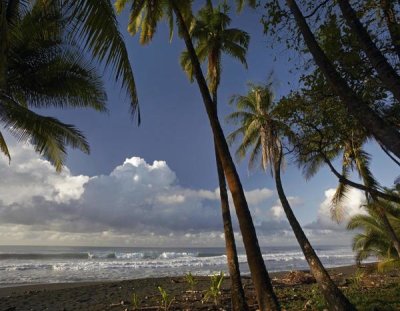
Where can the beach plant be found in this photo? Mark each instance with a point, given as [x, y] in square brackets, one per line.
[214, 291]
[191, 280]
[357, 278]
[166, 299]
[135, 301]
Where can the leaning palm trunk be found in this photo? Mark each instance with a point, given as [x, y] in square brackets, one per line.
[383, 132]
[333, 296]
[266, 297]
[238, 298]
[385, 71]
[237, 293]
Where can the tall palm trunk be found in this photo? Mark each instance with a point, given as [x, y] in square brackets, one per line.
[266, 297]
[238, 297]
[383, 132]
[333, 296]
[385, 71]
[392, 24]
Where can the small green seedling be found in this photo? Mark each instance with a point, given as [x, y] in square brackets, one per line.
[190, 279]
[135, 301]
[214, 291]
[166, 300]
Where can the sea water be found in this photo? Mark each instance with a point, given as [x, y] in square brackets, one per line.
[21, 265]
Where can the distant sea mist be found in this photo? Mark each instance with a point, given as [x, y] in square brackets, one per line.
[37, 264]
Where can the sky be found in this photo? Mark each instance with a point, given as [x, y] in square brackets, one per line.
[156, 185]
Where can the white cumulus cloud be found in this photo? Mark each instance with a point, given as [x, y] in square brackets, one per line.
[138, 202]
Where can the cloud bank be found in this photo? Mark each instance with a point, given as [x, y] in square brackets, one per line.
[138, 203]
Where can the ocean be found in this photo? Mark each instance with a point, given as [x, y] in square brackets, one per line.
[20, 265]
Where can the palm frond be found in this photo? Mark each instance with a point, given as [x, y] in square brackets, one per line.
[96, 25]
[255, 155]
[4, 147]
[49, 136]
[240, 4]
[337, 207]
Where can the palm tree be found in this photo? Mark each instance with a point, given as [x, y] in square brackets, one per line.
[385, 133]
[375, 240]
[262, 134]
[39, 70]
[213, 37]
[145, 15]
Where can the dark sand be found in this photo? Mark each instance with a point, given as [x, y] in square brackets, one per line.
[118, 295]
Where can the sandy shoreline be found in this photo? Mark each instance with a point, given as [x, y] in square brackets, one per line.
[117, 295]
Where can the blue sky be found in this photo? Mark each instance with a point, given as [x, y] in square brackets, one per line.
[174, 130]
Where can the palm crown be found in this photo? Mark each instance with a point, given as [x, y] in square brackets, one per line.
[374, 240]
[213, 37]
[259, 129]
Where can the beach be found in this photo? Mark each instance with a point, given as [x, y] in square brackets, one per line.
[296, 291]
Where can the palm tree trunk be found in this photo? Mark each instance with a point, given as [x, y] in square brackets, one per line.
[266, 297]
[383, 132]
[238, 298]
[385, 71]
[335, 299]
[393, 26]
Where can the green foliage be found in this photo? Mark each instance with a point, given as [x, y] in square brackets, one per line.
[374, 240]
[323, 126]
[191, 280]
[357, 278]
[317, 300]
[166, 300]
[41, 68]
[388, 264]
[214, 291]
